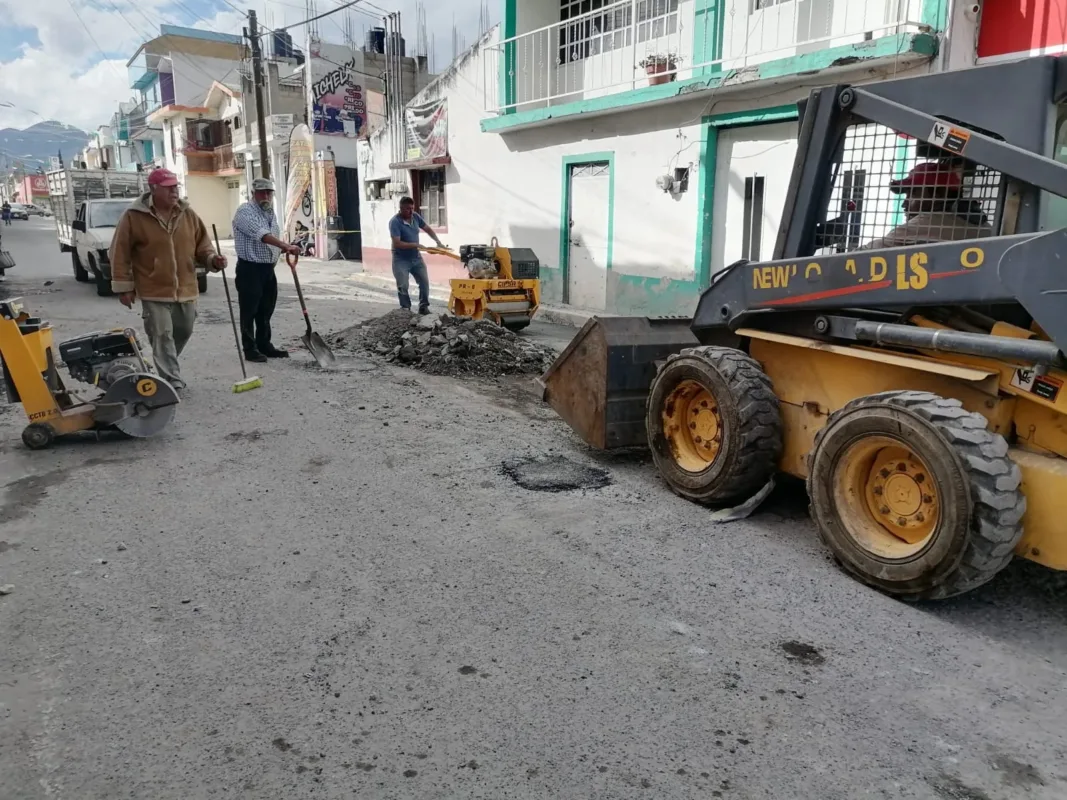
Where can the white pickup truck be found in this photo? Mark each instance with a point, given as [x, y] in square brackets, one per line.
[87, 205]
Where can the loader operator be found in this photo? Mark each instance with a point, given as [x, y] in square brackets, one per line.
[404, 229]
[935, 208]
[154, 253]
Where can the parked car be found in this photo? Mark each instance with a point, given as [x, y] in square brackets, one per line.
[18, 211]
[35, 210]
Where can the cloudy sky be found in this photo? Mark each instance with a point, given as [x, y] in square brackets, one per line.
[66, 59]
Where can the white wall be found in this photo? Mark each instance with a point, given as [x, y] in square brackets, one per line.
[193, 76]
[212, 200]
[511, 187]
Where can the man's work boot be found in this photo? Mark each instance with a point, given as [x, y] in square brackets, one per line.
[424, 310]
[274, 352]
[255, 356]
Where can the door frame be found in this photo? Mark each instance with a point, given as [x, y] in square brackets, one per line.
[709, 164]
[607, 156]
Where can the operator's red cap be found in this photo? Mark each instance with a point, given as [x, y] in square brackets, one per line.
[162, 177]
[930, 173]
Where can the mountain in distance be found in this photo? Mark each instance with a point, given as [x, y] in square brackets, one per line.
[34, 146]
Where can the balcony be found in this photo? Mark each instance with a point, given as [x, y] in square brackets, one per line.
[217, 161]
[633, 44]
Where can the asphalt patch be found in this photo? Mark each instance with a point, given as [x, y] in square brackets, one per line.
[803, 653]
[554, 474]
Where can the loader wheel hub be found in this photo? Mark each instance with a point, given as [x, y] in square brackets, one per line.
[892, 485]
[692, 424]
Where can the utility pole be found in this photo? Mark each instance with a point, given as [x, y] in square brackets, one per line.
[252, 32]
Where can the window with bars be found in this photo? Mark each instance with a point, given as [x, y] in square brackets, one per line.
[593, 34]
[752, 225]
[431, 197]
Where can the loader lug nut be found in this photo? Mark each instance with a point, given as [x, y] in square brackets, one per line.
[884, 509]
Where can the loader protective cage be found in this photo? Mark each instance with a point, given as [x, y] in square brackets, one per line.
[861, 150]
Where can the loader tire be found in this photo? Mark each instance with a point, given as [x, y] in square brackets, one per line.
[914, 495]
[201, 284]
[713, 425]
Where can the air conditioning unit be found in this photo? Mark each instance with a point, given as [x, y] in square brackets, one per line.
[239, 160]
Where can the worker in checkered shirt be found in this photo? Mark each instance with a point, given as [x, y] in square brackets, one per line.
[256, 236]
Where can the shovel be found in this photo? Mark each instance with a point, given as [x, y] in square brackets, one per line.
[312, 341]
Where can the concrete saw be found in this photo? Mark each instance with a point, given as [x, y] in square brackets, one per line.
[140, 404]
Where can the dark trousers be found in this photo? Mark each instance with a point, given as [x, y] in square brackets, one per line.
[257, 295]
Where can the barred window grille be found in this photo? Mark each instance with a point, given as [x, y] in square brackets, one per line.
[891, 191]
[613, 29]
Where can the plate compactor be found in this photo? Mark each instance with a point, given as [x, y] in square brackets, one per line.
[902, 351]
[503, 284]
[134, 400]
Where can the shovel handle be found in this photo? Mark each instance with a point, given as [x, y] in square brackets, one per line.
[291, 260]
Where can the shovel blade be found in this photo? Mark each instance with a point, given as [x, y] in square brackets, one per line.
[323, 354]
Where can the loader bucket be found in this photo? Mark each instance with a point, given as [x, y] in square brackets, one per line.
[600, 382]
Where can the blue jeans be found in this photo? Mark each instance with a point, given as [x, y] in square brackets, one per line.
[402, 271]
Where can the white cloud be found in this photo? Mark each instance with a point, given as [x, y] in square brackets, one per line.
[67, 78]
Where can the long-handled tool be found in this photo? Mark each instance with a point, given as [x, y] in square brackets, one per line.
[312, 341]
[246, 384]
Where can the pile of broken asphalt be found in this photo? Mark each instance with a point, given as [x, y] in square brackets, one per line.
[445, 345]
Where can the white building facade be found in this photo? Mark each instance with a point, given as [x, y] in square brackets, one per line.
[638, 146]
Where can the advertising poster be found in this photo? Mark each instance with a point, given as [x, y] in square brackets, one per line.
[301, 149]
[338, 96]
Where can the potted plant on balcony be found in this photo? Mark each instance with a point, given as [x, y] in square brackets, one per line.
[660, 67]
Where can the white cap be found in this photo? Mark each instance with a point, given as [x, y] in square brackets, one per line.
[262, 185]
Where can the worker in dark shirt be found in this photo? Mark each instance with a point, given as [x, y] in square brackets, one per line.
[404, 229]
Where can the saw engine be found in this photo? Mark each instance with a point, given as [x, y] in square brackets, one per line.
[102, 359]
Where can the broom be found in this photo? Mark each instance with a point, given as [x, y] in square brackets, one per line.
[246, 384]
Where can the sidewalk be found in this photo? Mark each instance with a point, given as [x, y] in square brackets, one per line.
[340, 270]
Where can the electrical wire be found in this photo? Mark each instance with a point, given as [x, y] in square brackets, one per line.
[317, 17]
[92, 38]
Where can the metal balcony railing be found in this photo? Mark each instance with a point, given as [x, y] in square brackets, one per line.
[631, 44]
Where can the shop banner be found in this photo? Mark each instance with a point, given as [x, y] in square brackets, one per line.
[427, 130]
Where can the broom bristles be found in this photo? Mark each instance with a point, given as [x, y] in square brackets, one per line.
[247, 385]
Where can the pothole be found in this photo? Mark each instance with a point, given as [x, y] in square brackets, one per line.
[554, 474]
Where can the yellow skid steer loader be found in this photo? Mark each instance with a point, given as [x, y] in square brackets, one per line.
[903, 352]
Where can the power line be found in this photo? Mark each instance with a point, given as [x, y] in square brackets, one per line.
[92, 38]
[323, 15]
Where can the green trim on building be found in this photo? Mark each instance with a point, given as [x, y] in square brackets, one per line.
[900, 167]
[565, 205]
[508, 27]
[709, 20]
[885, 47]
[934, 14]
[709, 160]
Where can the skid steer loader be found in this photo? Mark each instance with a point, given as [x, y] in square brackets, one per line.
[904, 350]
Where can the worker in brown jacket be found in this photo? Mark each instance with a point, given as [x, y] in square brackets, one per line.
[154, 254]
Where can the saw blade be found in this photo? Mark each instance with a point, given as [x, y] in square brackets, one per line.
[149, 404]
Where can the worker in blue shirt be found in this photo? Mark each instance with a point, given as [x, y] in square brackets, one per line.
[404, 229]
[257, 239]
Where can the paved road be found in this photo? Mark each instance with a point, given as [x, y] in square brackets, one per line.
[328, 588]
